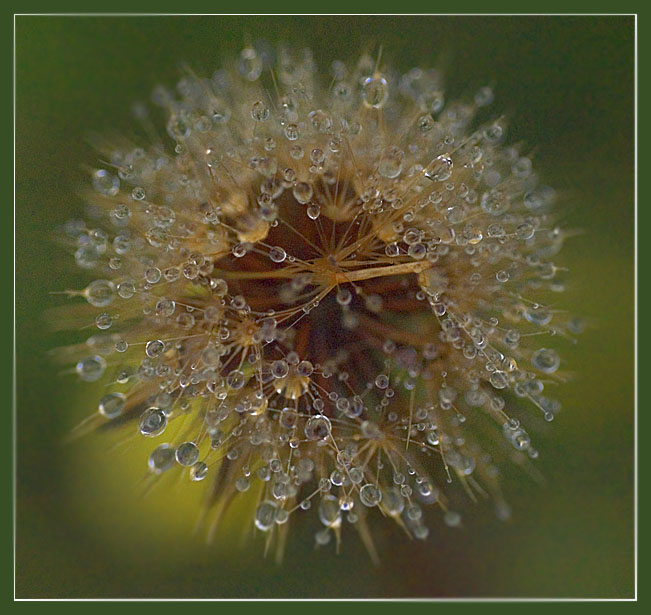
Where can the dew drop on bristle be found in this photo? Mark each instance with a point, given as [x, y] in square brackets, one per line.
[162, 459]
[152, 422]
[112, 405]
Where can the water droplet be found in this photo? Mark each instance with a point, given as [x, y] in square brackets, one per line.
[100, 293]
[320, 120]
[103, 321]
[495, 202]
[155, 348]
[279, 369]
[91, 369]
[391, 163]
[344, 296]
[546, 360]
[105, 183]
[329, 511]
[291, 132]
[259, 111]
[277, 254]
[153, 275]
[302, 192]
[370, 495]
[498, 380]
[382, 381]
[161, 459]
[187, 454]
[138, 193]
[265, 516]
[484, 96]
[236, 379]
[152, 422]
[313, 211]
[375, 91]
[317, 428]
[249, 64]
[440, 169]
[112, 405]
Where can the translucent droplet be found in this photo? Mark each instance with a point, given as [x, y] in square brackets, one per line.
[382, 381]
[126, 290]
[265, 516]
[165, 307]
[105, 183]
[320, 120]
[138, 193]
[239, 250]
[417, 251]
[432, 101]
[484, 96]
[178, 128]
[317, 156]
[452, 518]
[440, 169]
[155, 348]
[236, 379]
[394, 503]
[249, 64]
[242, 484]
[546, 360]
[277, 254]
[112, 405]
[259, 111]
[152, 422]
[220, 113]
[103, 321]
[304, 369]
[375, 91]
[219, 287]
[87, 256]
[313, 211]
[162, 459]
[495, 202]
[329, 511]
[291, 132]
[425, 123]
[100, 293]
[498, 380]
[187, 454]
[198, 471]
[538, 314]
[391, 163]
[525, 231]
[153, 275]
[344, 296]
[317, 428]
[91, 369]
[279, 369]
[370, 495]
[302, 192]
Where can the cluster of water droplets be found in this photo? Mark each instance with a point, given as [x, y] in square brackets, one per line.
[203, 284]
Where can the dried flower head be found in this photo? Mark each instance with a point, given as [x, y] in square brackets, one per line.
[325, 291]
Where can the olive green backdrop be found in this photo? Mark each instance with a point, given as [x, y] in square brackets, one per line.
[566, 85]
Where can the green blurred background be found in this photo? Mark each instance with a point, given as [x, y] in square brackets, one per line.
[566, 84]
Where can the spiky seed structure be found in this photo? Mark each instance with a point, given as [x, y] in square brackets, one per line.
[323, 290]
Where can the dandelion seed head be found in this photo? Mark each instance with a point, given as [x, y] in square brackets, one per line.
[334, 281]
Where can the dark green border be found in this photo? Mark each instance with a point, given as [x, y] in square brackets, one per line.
[337, 6]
